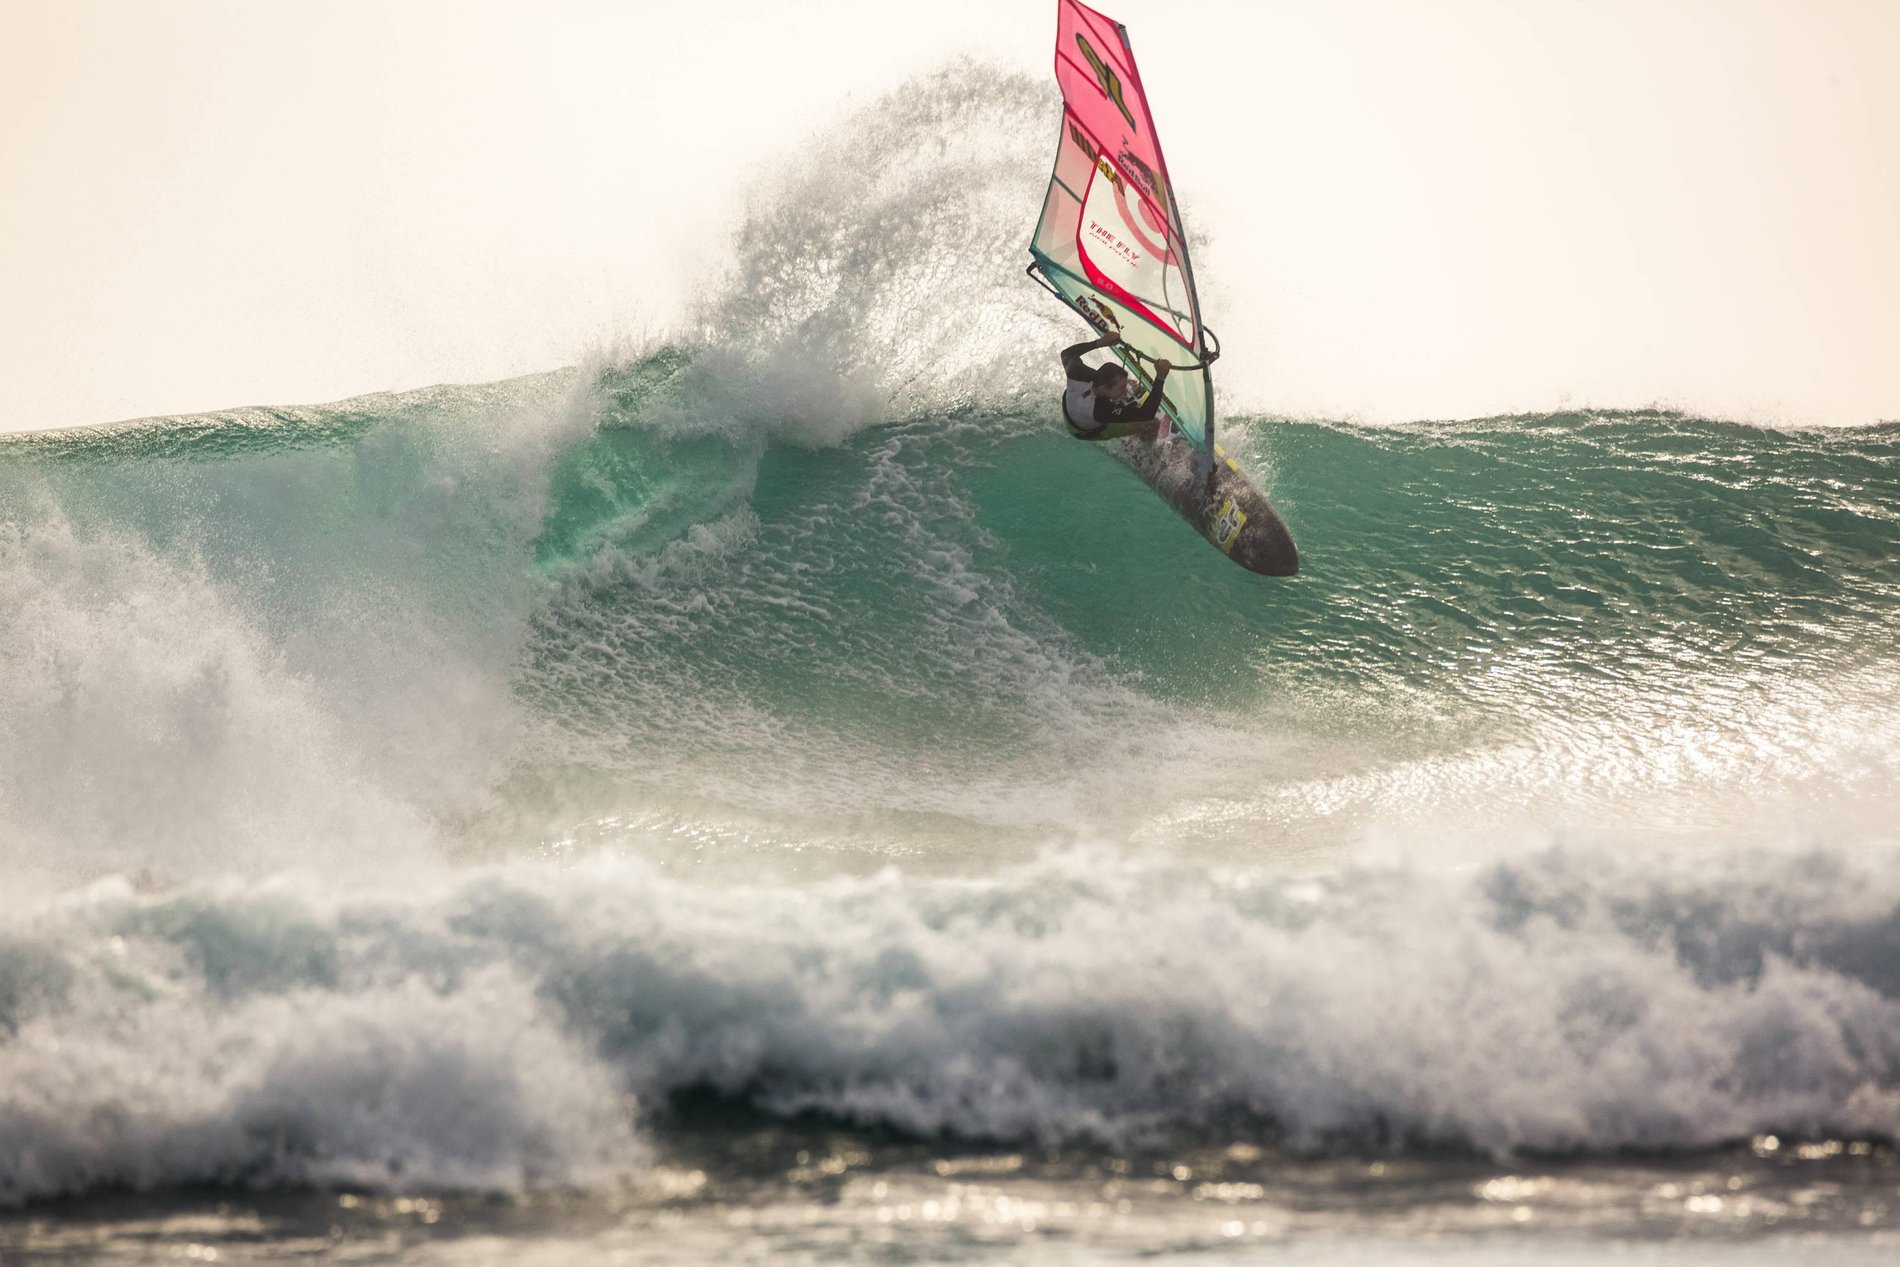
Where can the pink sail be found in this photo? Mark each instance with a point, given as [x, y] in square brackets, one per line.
[1110, 241]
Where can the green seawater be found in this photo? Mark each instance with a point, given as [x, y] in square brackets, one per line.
[959, 614]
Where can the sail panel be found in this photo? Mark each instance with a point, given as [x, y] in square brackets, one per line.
[1110, 240]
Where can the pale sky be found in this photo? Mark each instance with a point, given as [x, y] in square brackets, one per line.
[1416, 208]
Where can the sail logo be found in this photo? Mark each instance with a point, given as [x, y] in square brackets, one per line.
[1099, 313]
[1110, 82]
[1107, 237]
[1157, 188]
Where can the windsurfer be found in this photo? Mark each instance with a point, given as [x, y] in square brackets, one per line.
[1099, 402]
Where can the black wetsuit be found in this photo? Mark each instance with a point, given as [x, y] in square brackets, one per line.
[1112, 420]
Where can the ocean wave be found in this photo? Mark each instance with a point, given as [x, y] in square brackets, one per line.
[474, 620]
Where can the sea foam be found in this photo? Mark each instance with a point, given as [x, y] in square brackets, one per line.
[513, 1026]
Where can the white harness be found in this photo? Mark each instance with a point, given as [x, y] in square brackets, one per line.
[1078, 405]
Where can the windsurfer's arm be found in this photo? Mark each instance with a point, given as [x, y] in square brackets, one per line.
[1151, 403]
[1072, 357]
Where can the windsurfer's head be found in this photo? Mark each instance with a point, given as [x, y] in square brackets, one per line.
[1112, 380]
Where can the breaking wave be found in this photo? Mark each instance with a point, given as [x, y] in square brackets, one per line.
[515, 1026]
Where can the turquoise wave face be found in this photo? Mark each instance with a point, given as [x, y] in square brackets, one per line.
[1606, 544]
[1588, 601]
[574, 599]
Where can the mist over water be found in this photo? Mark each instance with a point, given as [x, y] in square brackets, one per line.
[426, 791]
